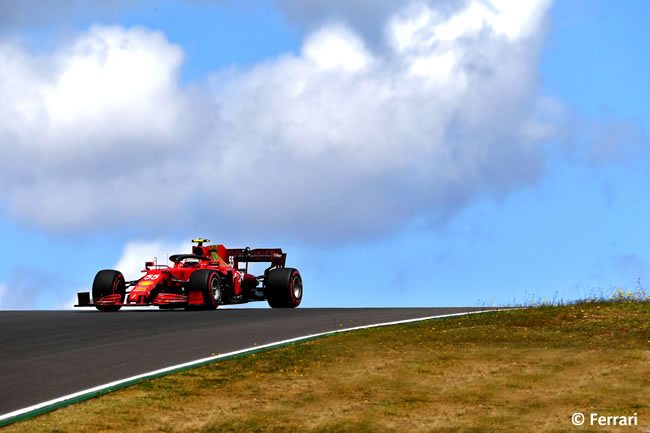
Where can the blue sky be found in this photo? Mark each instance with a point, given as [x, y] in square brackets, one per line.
[457, 164]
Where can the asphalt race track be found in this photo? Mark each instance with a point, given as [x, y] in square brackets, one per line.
[48, 354]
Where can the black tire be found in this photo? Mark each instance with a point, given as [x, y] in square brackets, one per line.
[108, 282]
[283, 288]
[208, 283]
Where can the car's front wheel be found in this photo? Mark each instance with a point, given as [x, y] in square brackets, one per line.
[108, 288]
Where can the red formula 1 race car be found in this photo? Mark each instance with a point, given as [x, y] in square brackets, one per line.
[209, 277]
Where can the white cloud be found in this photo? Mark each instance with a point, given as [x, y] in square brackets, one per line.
[96, 95]
[336, 47]
[337, 142]
[88, 132]
[510, 18]
[424, 127]
[28, 288]
[110, 72]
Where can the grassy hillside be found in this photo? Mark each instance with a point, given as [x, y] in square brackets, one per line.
[511, 371]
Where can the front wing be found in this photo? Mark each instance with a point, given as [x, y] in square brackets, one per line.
[162, 299]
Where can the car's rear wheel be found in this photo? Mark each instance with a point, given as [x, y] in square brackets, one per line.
[283, 288]
[208, 283]
[109, 286]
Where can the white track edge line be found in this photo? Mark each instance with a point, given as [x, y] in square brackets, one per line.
[224, 355]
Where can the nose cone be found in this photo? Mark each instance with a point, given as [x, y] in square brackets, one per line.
[141, 291]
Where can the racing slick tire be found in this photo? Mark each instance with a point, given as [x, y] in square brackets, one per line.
[108, 282]
[208, 283]
[283, 288]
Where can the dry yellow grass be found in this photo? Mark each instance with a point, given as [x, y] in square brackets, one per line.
[515, 371]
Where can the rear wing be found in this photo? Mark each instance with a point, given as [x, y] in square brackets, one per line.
[245, 255]
[234, 256]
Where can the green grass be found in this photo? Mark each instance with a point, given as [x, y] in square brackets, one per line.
[510, 371]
